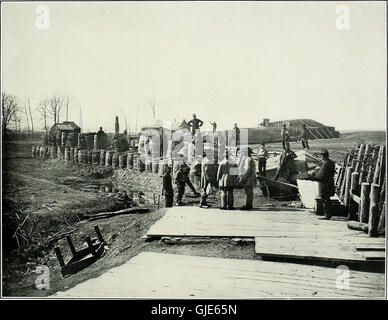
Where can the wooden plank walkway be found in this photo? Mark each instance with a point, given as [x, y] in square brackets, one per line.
[277, 232]
[160, 275]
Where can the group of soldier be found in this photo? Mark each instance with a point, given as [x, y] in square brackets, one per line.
[231, 174]
[226, 177]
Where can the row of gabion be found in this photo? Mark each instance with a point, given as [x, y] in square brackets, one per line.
[107, 158]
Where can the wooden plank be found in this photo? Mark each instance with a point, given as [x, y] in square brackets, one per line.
[158, 275]
[315, 249]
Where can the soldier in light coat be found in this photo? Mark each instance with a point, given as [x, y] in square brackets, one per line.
[226, 182]
[247, 177]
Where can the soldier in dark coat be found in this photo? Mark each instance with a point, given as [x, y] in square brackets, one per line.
[195, 124]
[180, 181]
[167, 190]
[325, 178]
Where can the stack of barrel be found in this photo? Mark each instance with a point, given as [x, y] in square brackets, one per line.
[360, 185]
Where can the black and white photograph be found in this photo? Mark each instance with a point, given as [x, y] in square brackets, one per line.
[192, 150]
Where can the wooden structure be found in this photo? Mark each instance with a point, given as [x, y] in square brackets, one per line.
[278, 232]
[161, 275]
[83, 257]
[360, 184]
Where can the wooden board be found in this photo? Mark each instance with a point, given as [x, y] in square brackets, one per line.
[344, 250]
[277, 232]
[159, 275]
[261, 222]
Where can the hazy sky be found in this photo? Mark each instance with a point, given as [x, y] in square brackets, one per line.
[225, 61]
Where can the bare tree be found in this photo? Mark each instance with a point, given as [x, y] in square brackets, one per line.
[43, 108]
[152, 103]
[9, 108]
[27, 117]
[56, 104]
[29, 109]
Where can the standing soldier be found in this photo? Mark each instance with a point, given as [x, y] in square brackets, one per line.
[263, 156]
[205, 179]
[214, 125]
[236, 135]
[195, 124]
[180, 181]
[167, 190]
[325, 178]
[285, 136]
[226, 183]
[304, 137]
[248, 177]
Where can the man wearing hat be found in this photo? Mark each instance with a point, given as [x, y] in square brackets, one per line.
[325, 178]
[285, 136]
[248, 176]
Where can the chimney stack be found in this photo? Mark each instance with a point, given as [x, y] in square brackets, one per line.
[117, 129]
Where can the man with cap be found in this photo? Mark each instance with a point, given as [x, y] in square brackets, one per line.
[226, 182]
[285, 136]
[325, 178]
[195, 124]
[247, 176]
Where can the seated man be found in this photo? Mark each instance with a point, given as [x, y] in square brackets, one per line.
[285, 162]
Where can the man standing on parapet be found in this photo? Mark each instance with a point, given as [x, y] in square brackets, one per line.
[325, 178]
[195, 124]
[285, 136]
[214, 125]
[248, 176]
[235, 136]
[304, 137]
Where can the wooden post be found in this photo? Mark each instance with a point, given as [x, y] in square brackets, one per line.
[348, 178]
[381, 227]
[90, 245]
[71, 245]
[364, 205]
[354, 183]
[376, 176]
[359, 157]
[358, 226]
[353, 207]
[374, 209]
[59, 256]
[98, 233]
